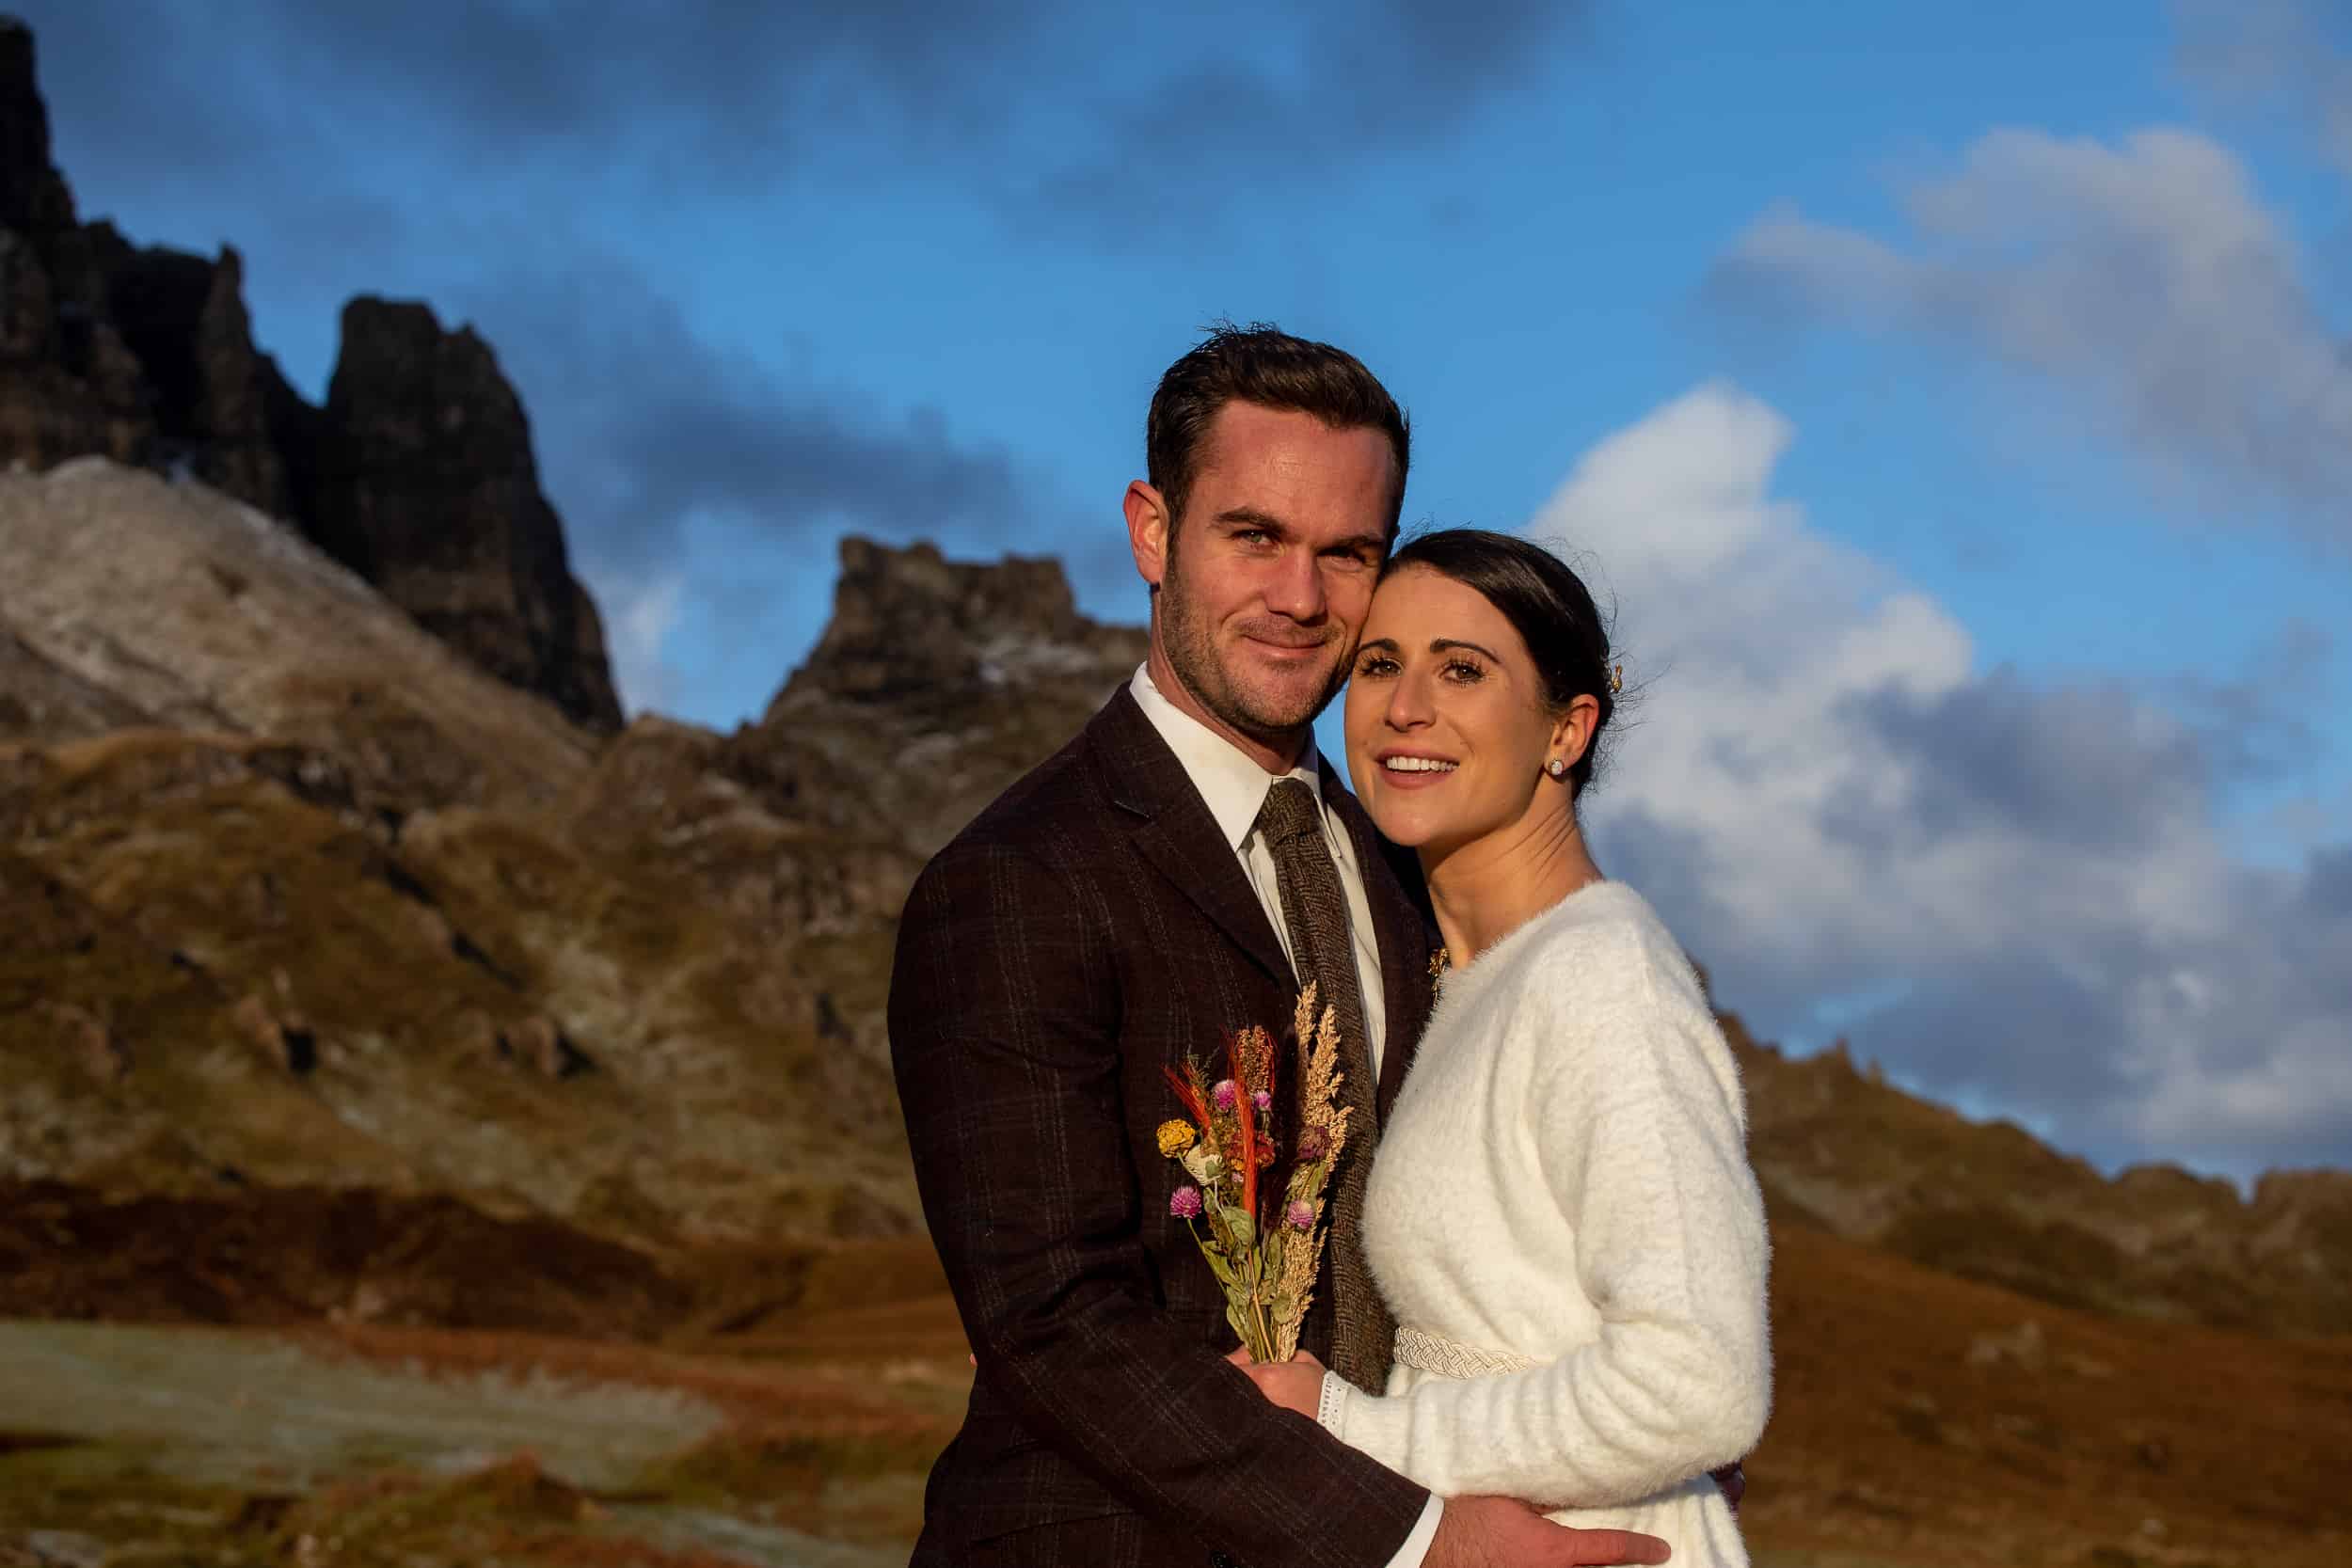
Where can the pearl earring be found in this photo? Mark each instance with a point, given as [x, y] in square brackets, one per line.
[1557, 768]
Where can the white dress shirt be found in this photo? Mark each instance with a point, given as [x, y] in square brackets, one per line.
[1234, 789]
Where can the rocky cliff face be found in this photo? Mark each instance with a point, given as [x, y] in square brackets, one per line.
[315, 872]
[69, 383]
[300, 898]
[934, 685]
[914, 632]
[417, 474]
[298, 895]
[425, 485]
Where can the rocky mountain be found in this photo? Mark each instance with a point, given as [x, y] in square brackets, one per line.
[935, 684]
[417, 473]
[334, 890]
[1841, 1150]
[422, 482]
[301, 898]
[303, 903]
[134, 601]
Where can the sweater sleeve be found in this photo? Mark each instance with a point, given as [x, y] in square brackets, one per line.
[1641, 1145]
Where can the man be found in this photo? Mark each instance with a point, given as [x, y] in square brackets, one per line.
[1145, 892]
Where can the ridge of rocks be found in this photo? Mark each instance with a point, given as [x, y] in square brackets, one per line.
[911, 627]
[418, 472]
[314, 879]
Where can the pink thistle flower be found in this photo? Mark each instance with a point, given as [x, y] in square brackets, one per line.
[1301, 1216]
[1261, 1100]
[1226, 1093]
[1185, 1203]
[1313, 1144]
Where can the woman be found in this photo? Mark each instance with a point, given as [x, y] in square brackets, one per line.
[1561, 1213]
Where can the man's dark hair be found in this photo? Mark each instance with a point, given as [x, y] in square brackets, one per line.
[1262, 364]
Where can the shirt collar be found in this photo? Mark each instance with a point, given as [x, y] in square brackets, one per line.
[1232, 787]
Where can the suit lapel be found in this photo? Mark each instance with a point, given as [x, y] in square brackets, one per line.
[1403, 935]
[1176, 833]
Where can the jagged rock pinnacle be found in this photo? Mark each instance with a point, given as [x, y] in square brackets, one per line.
[418, 473]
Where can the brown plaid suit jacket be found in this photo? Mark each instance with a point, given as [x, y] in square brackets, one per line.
[1090, 927]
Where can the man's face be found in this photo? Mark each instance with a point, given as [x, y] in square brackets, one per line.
[1264, 584]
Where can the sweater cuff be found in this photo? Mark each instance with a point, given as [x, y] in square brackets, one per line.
[1331, 1406]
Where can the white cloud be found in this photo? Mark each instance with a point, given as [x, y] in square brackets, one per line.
[2025, 887]
[2146, 277]
[1758, 631]
[640, 611]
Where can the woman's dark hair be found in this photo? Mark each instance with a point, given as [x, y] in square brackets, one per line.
[1545, 603]
[1262, 364]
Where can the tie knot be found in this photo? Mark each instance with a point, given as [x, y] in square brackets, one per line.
[1291, 809]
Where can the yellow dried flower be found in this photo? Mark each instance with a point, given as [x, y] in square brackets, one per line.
[1175, 1137]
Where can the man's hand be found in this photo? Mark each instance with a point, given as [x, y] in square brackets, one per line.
[1500, 1533]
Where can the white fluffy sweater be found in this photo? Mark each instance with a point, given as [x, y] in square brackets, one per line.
[1565, 1180]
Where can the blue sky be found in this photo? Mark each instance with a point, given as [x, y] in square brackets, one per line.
[1956, 401]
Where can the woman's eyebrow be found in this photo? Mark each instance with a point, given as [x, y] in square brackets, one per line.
[1444, 644]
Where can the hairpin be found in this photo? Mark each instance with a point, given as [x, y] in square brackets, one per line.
[1616, 679]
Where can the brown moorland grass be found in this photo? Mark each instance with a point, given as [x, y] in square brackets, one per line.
[1919, 1419]
[1921, 1416]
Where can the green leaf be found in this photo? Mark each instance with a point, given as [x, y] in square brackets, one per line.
[1238, 1317]
[1240, 1320]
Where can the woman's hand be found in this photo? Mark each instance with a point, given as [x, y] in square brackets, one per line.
[1292, 1385]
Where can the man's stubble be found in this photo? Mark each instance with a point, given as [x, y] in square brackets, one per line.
[1190, 643]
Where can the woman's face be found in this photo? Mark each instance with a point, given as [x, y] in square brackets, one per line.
[1447, 728]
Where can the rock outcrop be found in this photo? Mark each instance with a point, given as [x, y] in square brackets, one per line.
[68, 384]
[417, 474]
[313, 874]
[351, 911]
[295, 891]
[425, 485]
[935, 684]
[913, 632]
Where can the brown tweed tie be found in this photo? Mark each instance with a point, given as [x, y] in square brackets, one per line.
[1314, 909]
